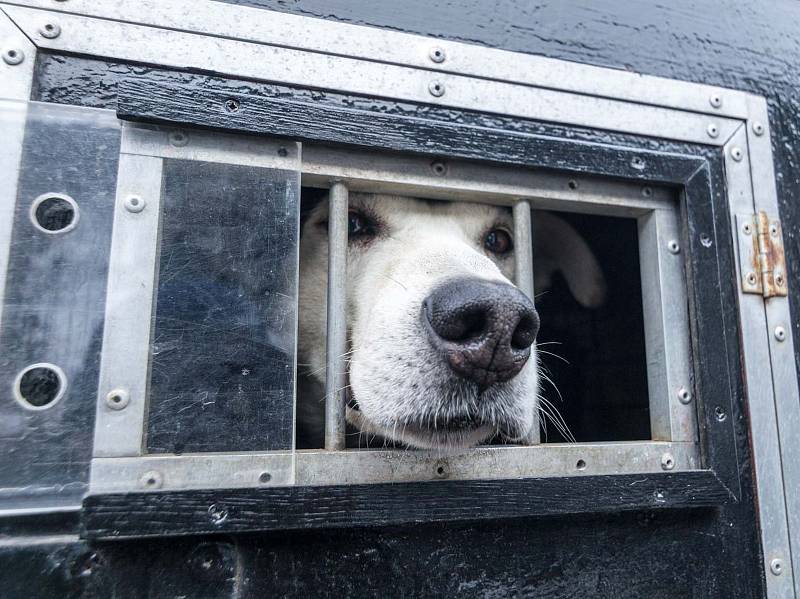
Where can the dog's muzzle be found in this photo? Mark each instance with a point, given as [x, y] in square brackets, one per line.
[483, 329]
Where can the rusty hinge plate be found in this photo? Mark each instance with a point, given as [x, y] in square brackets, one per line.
[761, 259]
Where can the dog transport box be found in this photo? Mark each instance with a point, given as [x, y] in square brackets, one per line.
[165, 167]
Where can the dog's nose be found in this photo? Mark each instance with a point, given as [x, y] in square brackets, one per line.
[484, 329]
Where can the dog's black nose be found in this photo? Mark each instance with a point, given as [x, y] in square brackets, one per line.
[484, 329]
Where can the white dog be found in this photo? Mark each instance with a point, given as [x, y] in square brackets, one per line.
[442, 349]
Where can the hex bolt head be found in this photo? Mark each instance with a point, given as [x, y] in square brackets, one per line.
[134, 204]
[780, 333]
[715, 100]
[684, 395]
[152, 479]
[667, 461]
[712, 130]
[178, 139]
[437, 54]
[118, 399]
[673, 246]
[50, 30]
[737, 154]
[776, 566]
[436, 88]
[13, 56]
[758, 128]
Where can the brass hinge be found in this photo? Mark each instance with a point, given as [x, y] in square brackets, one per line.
[761, 258]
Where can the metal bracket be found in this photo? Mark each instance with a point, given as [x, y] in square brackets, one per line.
[762, 262]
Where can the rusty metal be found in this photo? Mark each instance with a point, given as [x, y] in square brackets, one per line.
[761, 256]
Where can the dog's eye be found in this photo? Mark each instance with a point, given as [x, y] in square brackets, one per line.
[359, 225]
[498, 241]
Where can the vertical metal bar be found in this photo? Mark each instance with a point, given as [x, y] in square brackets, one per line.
[336, 372]
[523, 264]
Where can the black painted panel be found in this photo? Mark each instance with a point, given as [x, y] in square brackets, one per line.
[223, 340]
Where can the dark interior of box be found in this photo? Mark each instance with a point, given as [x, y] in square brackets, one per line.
[594, 356]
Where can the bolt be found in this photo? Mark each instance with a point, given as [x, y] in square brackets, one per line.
[684, 395]
[439, 168]
[737, 154]
[437, 54]
[751, 278]
[178, 138]
[50, 30]
[436, 88]
[118, 399]
[758, 128]
[134, 204]
[747, 229]
[715, 100]
[232, 104]
[776, 566]
[780, 333]
[667, 461]
[647, 191]
[673, 246]
[712, 130]
[152, 480]
[13, 56]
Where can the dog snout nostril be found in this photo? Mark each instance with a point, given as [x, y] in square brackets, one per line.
[483, 329]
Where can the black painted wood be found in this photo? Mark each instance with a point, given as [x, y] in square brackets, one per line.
[214, 511]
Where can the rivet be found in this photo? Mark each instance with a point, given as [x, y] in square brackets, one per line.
[751, 278]
[758, 128]
[134, 204]
[747, 229]
[152, 479]
[684, 395]
[50, 30]
[779, 280]
[780, 333]
[178, 138]
[637, 163]
[667, 461]
[441, 469]
[773, 230]
[217, 514]
[776, 566]
[437, 54]
[715, 100]
[436, 88]
[720, 414]
[439, 168]
[712, 130]
[673, 246]
[647, 191]
[736, 153]
[118, 399]
[13, 56]
[573, 184]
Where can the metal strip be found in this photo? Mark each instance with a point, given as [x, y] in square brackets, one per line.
[673, 416]
[122, 391]
[405, 174]
[764, 437]
[779, 325]
[374, 44]
[136, 43]
[336, 349]
[523, 264]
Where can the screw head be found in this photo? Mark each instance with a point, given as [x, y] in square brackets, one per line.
[152, 479]
[118, 399]
[712, 130]
[439, 168]
[779, 280]
[50, 30]
[776, 566]
[232, 104]
[134, 204]
[684, 395]
[780, 333]
[667, 461]
[758, 128]
[178, 138]
[436, 88]
[736, 153]
[437, 54]
[673, 246]
[751, 278]
[13, 56]
[715, 100]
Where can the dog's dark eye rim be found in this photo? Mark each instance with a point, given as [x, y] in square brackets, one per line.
[360, 224]
[498, 240]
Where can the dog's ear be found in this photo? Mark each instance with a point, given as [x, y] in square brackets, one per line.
[558, 247]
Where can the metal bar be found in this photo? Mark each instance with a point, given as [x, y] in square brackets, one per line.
[761, 403]
[392, 47]
[137, 43]
[666, 326]
[523, 266]
[335, 363]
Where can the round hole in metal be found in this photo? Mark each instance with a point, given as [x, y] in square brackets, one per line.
[40, 386]
[580, 465]
[54, 213]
